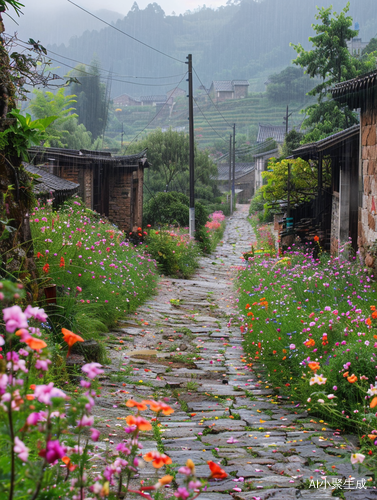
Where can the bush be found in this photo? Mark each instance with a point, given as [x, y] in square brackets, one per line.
[172, 208]
[176, 253]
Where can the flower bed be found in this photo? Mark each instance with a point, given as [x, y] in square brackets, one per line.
[99, 276]
[311, 323]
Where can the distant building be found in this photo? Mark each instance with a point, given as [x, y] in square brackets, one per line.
[177, 92]
[153, 100]
[125, 100]
[243, 180]
[261, 161]
[222, 90]
[356, 46]
[276, 132]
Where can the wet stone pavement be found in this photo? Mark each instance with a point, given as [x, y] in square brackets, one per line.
[187, 351]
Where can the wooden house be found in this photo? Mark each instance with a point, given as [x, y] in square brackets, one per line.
[110, 185]
[222, 90]
[243, 179]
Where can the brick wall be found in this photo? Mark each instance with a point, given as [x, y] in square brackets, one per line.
[120, 188]
[367, 232]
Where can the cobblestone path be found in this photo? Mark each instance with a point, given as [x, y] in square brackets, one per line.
[222, 409]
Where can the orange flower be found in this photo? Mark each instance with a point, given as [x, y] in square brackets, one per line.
[374, 314]
[373, 403]
[345, 374]
[157, 459]
[190, 464]
[134, 404]
[71, 338]
[314, 366]
[368, 321]
[309, 343]
[139, 422]
[35, 344]
[165, 480]
[352, 379]
[372, 308]
[69, 464]
[316, 238]
[158, 406]
[216, 471]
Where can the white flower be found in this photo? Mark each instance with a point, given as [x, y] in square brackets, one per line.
[318, 379]
[321, 401]
[372, 391]
[357, 458]
[331, 396]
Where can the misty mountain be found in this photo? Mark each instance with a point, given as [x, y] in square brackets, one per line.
[244, 41]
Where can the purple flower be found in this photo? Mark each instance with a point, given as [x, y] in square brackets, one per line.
[14, 319]
[123, 449]
[42, 364]
[33, 418]
[53, 451]
[85, 421]
[182, 493]
[92, 369]
[36, 313]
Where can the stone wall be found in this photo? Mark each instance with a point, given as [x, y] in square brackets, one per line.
[334, 238]
[367, 232]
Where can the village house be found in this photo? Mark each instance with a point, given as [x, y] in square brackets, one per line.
[125, 100]
[275, 132]
[223, 90]
[110, 185]
[361, 93]
[243, 180]
[261, 162]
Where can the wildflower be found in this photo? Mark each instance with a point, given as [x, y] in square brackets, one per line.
[94, 434]
[316, 238]
[21, 450]
[309, 343]
[373, 403]
[92, 369]
[36, 313]
[139, 422]
[352, 379]
[182, 493]
[44, 393]
[216, 471]
[46, 268]
[131, 403]
[314, 366]
[14, 318]
[157, 459]
[158, 406]
[62, 262]
[164, 480]
[53, 451]
[317, 379]
[35, 344]
[71, 339]
[357, 458]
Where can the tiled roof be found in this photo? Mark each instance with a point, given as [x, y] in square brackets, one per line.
[327, 142]
[353, 91]
[85, 156]
[153, 98]
[240, 170]
[240, 82]
[276, 132]
[223, 86]
[49, 183]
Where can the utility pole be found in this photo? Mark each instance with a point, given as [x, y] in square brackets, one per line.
[230, 172]
[286, 118]
[191, 141]
[121, 141]
[234, 166]
[289, 191]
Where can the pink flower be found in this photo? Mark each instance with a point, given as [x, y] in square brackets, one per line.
[42, 364]
[185, 470]
[44, 393]
[94, 434]
[14, 319]
[92, 369]
[292, 346]
[182, 493]
[85, 421]
[36, 313]
[79, 289]
[232, 440]
[21, 450]
[33, 418]
[123, 449]
[53, 451]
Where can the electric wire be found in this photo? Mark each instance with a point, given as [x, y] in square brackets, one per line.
[229, 125]
[126, 34]
[155, 116]
[222, 138]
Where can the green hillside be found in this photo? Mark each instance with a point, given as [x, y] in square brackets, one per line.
[211, 123]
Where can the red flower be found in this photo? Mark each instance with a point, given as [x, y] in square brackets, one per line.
[216, 471]
[62, 262]
[46, 268]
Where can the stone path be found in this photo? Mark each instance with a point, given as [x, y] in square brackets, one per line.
[189, 352]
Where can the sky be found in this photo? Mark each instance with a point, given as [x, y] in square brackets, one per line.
[122, 6]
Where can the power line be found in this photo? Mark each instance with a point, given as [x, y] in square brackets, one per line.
[126, 34]
[229, 125]
[208, 121]
[86, 75]
[107, 71]
[155, 116]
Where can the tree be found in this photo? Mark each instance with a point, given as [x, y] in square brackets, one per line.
[291, 142]
[303, 181]
[65, 132]
[330, 61]
[90, 94]
[168, 153]
[371, 47]
[289, 85]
